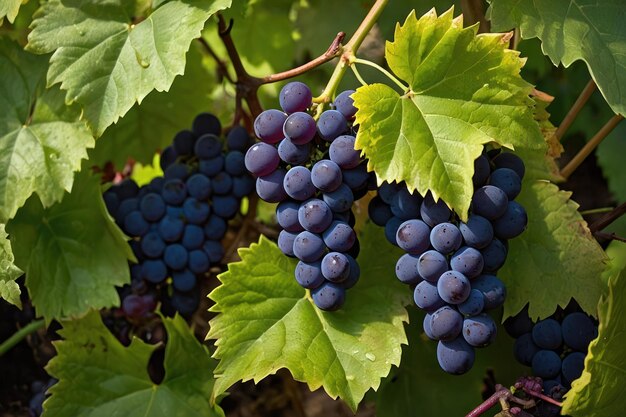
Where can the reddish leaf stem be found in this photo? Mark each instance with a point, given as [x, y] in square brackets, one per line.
[543, 397]
[576, 108]
[489, 402]
[608, 218]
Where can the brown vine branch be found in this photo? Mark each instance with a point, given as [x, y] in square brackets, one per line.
[222, 69]
[576, 108]
[609, 236]
[474, 11]
[591, 145]
[608, 218]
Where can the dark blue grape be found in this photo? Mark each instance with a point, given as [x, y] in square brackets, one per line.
[406, 205]
[329, 296]
[285, 242]
[295, 96]
[261, 159]
[175, 256]
[297, 183]
[427, 297]
[222, 183]
[492, 288]
[481, 171]
[183, 142]
[331, 124]
[185, 302]
[512, 223]
[345, 104]
[268, 126]
[287, 216]
[455, 357]
[453, 287]
[214, 250]
[309, 275]
[168, 157]
[379, 212]
[174, 192]
[467, 261]
[308, 247]
[243, 186]
[234, 163]
[225, 206]
[199, 262]
[494, 255]
[479, 331]
[335, 267]
[315, 215]
[176, 171]
[546, 364]
[152, 207]
[356, 178]
[154, 271]
[293, 154]
[445, 237]
[507, 180]
[112, 202]
[135, 224]
[196, 212]
[391, 229]
[299, 128]
[388, 191]
[573, 366]
[339, 236]
[339, 200]
[413, 236]
[353, 276]
[171, 228]
[431, 265]
[326, 175]
[547, 334]
[206, 123]
[477, 232]
[152, 245]
[184, 280]
[126, 206]
[342, 152]
[489, 202]
[524, 349]
[446, 323]
[126, 189]
[406, 269]
[215, 228]
[270, 187]
[199, 186]
[238, 139]
[211, 167]
[193, 237]
[511, 161]
[433, 212]
[519, 324]
[474, 304]
[578, 331]
[208, 147]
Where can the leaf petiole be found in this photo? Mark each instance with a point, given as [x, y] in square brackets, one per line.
[20, 334]
[389, 75]
[358, 75]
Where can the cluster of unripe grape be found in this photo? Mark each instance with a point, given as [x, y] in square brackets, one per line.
[451, 264]
[313, 171]
[178, 220]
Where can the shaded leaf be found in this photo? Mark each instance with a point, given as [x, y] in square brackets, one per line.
[10, 8]
[9, 290]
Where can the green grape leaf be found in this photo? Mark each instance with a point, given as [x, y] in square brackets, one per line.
[419, 387]
[9, 8]
[152, 125]
[42, 142]
[99, 377]
[464, 91]
[555, 259]
[610, 154]
[591, 31]
[9, 290]
[266, 321]
[72, 253]
[600, 391]
[105, 61]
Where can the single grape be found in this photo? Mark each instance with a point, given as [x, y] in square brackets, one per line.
[177, 171]
[309, 275]
[339, 236]
[243, 186]
[152, 245]
[547, 334]
[168, 157]
[156, 185]
[356, 178]
[511, 161]
[285, 242]
[234, 163]
[193, 237]
[453, 287]
[135, 224]
[198, 262]
[174, 192]
[391, 229]
[175, 256]
[308, 247]
[507, 180]
[456, 356]
[315, 215]
[492, 288]
[433, 212]
[199, 186]
[512, 223]
[573, 366]
[474, 304]
[345, 104]
[287, 216]
[326, 175]
[152, 207]
[342, 152]
[126, 206]
[293, 154]
[426, 326]
[183, 280]
[186, 303]
[445, 237]
[339, 200]
[578, 331]
[494, 255]
[238, 139]
[335, 267]
[225, 206]
[406, 269]
[208, 146]
[477, 232]
[489, 202]
[481, 171]
[183, 142]
[295, 97]
[406, 205]
[214, 250]
[299, 128]
[111, 201]
[297, 183]
[519, 324]
[268, 126]
[525, 349]
[206, 123]
[427, 297]
[215, 228]
[379, 212]
[222, 183]
[431, 265]
[212, 167]
[387, 192]
[329, 296]
[331, 125]
[270, 187]
[154, 271]
[413, 236]
[195, 211]
[446, 323]
[546, 364]
[467, 261]
[479, 330]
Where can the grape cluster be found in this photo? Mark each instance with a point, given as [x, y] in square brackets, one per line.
[452, 264]
[177, 221]
[555, 348]
[313, 171]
